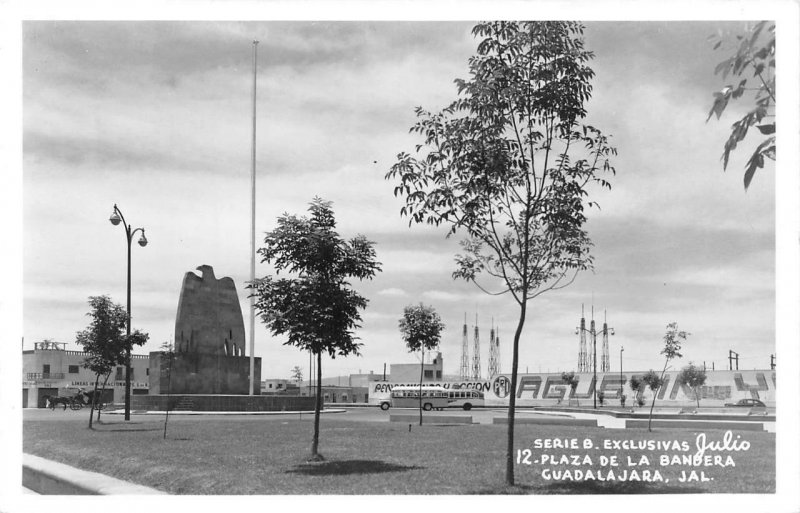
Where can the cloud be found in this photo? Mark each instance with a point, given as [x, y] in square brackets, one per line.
[441, 295]
[394, 292]
[155, 116]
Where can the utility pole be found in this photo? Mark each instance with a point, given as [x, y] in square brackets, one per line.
[253, 227]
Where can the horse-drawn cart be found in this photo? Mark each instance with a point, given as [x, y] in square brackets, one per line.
[74, 399]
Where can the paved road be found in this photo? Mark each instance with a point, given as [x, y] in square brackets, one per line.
[355, 414]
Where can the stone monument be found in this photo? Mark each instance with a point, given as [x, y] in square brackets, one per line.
[209, 356]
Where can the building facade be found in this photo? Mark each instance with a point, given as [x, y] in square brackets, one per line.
[52, 370]
[409, 372]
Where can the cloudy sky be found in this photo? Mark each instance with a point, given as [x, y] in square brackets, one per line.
[155, 117]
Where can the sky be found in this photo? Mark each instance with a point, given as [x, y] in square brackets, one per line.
[155, 117]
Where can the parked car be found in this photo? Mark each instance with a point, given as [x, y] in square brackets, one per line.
[746, 403]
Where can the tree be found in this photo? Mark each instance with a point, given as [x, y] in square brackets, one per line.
[105, 342]
[673, 339]
[297, 374]
[755, 53]
[316, 308]
[638, 386]
[570, 380]
[509, 163]
[655, 382]
[693, 377]
[168, 350]
[421, 329]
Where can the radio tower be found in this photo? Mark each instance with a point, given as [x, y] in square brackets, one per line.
[605, 364]
[593, 355]
[464, 353]
[583, 359]
[494, 352]
[476, 354]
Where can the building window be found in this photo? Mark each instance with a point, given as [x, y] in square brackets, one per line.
[438, 374]
[147, 371]
[429, 374]
[73, 369]
[46, 369]
[270, 385]
[119, 376]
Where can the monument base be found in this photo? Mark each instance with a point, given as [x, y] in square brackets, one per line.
[200, 402]
[198, 373]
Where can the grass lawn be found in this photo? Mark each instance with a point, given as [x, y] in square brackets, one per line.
[266, 455]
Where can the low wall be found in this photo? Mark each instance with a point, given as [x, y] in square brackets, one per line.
[697, 424]
[548, 389]
[431, 419]
[559, 421]
[197, 402]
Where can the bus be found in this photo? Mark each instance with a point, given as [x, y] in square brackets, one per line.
[408, 397]
[465, 398]
[433, 397]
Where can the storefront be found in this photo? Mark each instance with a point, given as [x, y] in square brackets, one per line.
[51, 369]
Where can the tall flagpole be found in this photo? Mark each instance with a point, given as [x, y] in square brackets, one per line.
[253, 229]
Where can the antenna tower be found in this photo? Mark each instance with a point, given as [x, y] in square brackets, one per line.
[583, 357]
[593, 353]
[476, 353]
[494, 352]
[464, 372]
[605, 362]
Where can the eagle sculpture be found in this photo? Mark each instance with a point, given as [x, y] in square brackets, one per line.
[209, 319]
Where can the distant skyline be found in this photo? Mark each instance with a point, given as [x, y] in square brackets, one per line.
[155, 117]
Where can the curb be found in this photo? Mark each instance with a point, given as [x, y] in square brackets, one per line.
[48, 477]
[182, 412]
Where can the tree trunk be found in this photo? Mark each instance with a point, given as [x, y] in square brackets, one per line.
[512, 402]
[697, 396]
[102, 392]
[655, 393]
[421, 368]
[315, 455]
[169, 387]
[94, 399]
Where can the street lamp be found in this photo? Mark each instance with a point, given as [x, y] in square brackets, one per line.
[621, 381]
[116, 217]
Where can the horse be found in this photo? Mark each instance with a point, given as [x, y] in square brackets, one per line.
[54, 400]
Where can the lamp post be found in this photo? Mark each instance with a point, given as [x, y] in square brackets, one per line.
[621, 381]
[116, 217]
[594, 364]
